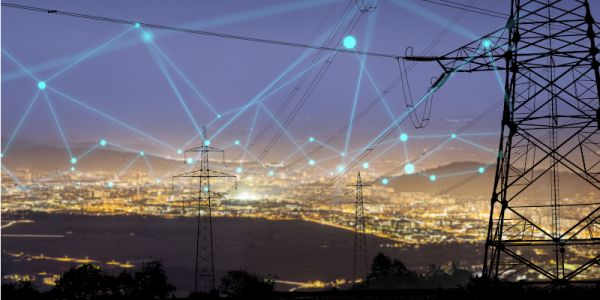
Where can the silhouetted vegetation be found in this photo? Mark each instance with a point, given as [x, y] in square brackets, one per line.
[88, 281]
[393, 274]
[241, 284]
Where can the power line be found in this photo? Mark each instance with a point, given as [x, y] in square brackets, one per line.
[469, 8]
[194, 31]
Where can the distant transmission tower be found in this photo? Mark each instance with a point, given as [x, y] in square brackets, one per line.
[549, 128]
[360, 262]
[204, 272]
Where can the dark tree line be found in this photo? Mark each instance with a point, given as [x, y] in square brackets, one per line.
[393, 274]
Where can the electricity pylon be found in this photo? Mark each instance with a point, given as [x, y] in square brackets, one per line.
[360, 262]
[204, 270]
[548, 53]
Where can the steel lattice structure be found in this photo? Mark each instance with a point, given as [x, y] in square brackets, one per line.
[549, 56]
[204, 270]
[360, 262]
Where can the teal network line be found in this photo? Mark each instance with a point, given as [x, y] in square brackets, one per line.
[150, 168]
[111, 118]
[21, 66]
[178, 95]
[15, 178]
[477, 145]
[58, 126]
[20, 123]
[128, 165]
[362, 66]
[204, 24]
[89, 54]
[283, 129]
[186, 79]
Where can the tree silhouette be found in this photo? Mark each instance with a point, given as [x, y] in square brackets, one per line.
[151, 281]
[242, 284]
[21, 290]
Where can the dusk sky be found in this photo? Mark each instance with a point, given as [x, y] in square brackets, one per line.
[132, 77]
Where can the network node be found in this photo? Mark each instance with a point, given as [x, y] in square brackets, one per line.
[103, 142]
[137, 25]
[481, 170]
[239, 170]
[409, 168]
[207, 143]
[110, 184]
[311, 139]
[433, 178]
[487, 44]
[341, 168]
[349, 42]
[218, 116]
[237, 142]
[385, 181]
[73, 160]
[365, 165]
[157, 180]
[142, 153]
[271, 173]
[453, 135]
[147, 36]
[342, 154]
[403, 137]
[179, 151]
[205, 189]
[190, 161]
[311, 162]
[72, 169]
[42, 85]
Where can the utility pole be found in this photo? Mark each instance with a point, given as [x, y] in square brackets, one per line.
[549, 56]
[204, 271]
[360, 260]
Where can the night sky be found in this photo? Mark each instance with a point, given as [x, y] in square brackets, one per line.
[134, 81]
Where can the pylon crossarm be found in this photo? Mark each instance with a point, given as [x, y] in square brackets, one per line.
[204, 174]
[529, 221]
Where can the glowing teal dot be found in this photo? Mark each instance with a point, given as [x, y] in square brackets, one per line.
[403, 137]
[311, 162]
[205, 188]
[73, 160]
[349, 42]
[137, 25]
[41, 85]
[207, 143]
[409, 168]
[311, 139]
[103, 142]
[487, 43]
[453, 135]
[271, 173]
[157, 180]
[142, 153]
[147, 36]
[385, 181]
[239, 170]
[218, 116]
[189, 161]
[365, 165]
[110, 184]
[72, 169]
[342, 154]
[237, 142]
[433, 178]
[481, 170]
[179, 151]
[341, 168]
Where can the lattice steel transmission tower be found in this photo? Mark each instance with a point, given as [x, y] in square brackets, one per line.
[204, 270]
[549, 56]
[360, 262]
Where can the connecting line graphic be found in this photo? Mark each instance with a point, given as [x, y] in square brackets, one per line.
[477, 145]
[284, 130]
[231, 19]
[167, 76]
[20, 124]
[58, 126]
[185, 78]
[89, 54]
[128, 165]
[15, 178]
[21, 66]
